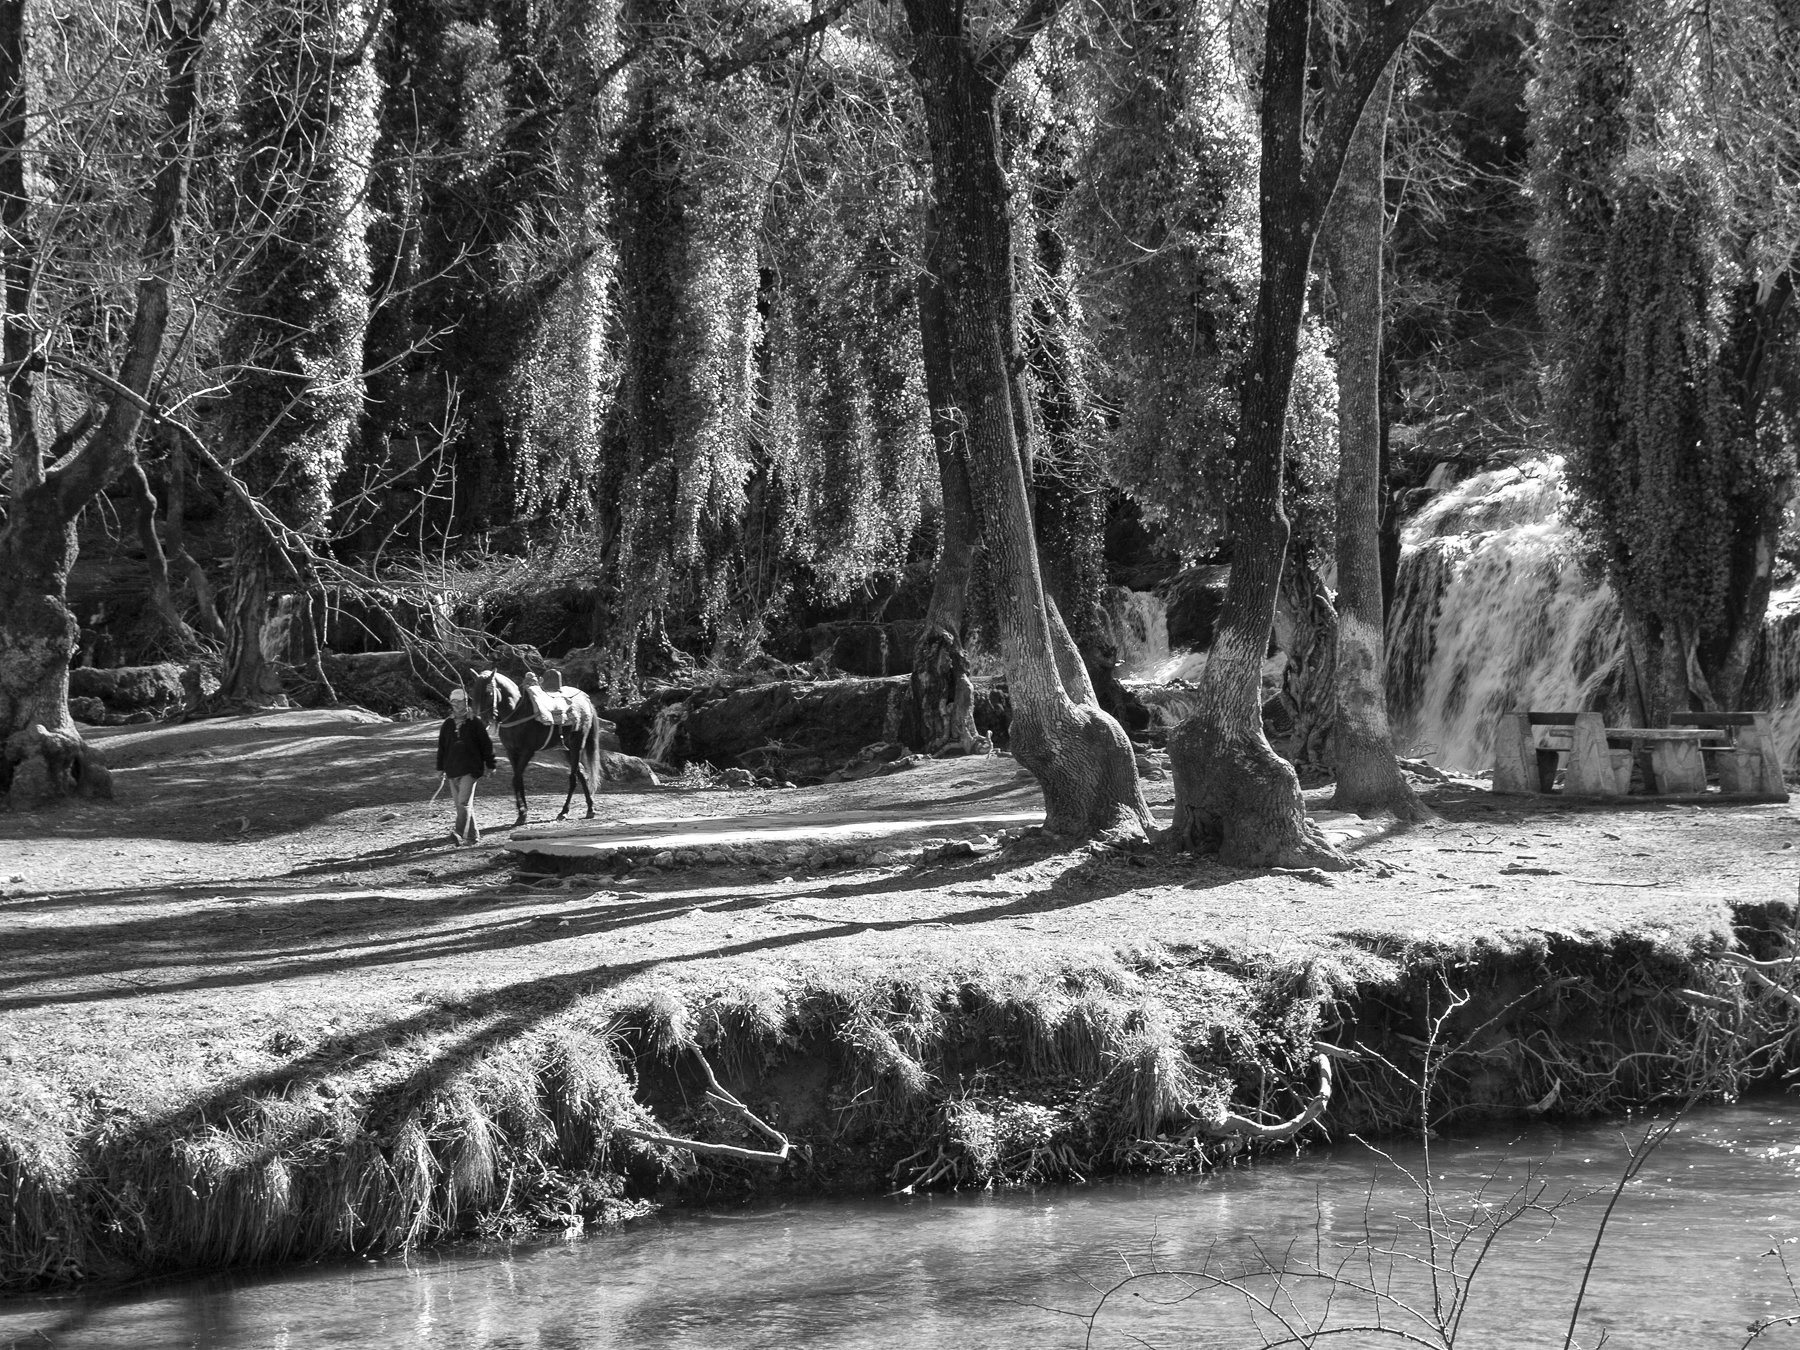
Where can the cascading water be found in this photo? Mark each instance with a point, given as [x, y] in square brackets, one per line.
[1781, 670]
[1137, 622]
[1492, 614]
[663, 731]
[1138, 626]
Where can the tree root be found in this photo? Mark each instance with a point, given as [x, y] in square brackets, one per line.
[720, 1097]
[1226, 1123]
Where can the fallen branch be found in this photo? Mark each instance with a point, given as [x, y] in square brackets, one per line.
[1694, 996]
[1751, 963]
[1226, 1123]
[1774, 988]
[719, 1096]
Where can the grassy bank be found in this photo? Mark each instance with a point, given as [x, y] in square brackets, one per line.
[280, 1036]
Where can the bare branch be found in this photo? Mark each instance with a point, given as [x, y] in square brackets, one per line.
[1226, 1123]
[999, 59]
[720, 1097]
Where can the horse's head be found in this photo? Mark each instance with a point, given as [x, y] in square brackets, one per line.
[492, 695]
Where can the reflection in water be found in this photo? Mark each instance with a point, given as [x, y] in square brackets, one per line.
[1685, 1264]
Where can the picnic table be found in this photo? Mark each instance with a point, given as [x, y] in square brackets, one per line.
[1738, 747]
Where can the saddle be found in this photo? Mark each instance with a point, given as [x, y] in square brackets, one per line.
[550, 703]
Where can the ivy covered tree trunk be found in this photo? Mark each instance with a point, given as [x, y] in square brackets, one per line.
[42, 756]
[308, 112]
[1078, 754]
[1362, 747]
[1068, 496]
[943, 694]
[1233, 793]
[1308, 640]
[1673, 350]
[174, 636]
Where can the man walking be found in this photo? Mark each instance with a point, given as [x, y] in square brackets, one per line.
[464, 754]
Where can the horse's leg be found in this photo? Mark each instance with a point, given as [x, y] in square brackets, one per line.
[568, 796]
[577, 773]
[588, 752]
[519, 760]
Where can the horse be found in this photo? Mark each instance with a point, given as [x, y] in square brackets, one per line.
[497, 699]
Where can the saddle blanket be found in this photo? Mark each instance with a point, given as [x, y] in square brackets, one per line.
[553, 708]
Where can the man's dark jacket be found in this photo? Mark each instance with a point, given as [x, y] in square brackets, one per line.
[464, 749]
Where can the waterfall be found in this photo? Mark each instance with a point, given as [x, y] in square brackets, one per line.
[1781, 670]
[663, 730]
[1138, 626]
[1493, 614]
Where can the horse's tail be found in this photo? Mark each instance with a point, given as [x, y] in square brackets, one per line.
[590, 749]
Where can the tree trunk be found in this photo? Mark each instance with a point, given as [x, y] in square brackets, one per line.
[17, 339]
[1362, 748]
[175, 529]
[943, 695]
[1769, 326]
[249, 678]
[1078, 754]
[1233, 793]
[176, 637]
[37, 640]
[1309, 679]
[41, 754]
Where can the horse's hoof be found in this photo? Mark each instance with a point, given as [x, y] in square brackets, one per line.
[519, 823]
[562, 815]
[590, 814]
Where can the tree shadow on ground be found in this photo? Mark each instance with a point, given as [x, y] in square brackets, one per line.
[266, 933]
[244, 784]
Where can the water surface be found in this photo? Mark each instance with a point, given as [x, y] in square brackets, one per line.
[1692, 1258]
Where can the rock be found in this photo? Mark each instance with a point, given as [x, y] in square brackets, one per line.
[821, 726]
[619, 768]
[89, 710]
[664, 859]
[740, 779]
[157, 689]
[956, 848]
[31, 784]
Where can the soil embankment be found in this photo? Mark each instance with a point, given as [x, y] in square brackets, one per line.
[258, 1008]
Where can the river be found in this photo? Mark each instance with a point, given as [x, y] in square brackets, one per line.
[1693, 1256]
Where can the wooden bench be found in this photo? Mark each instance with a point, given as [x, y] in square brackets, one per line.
[1739, 747]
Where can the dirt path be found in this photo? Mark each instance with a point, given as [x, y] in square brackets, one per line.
[264, 885]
